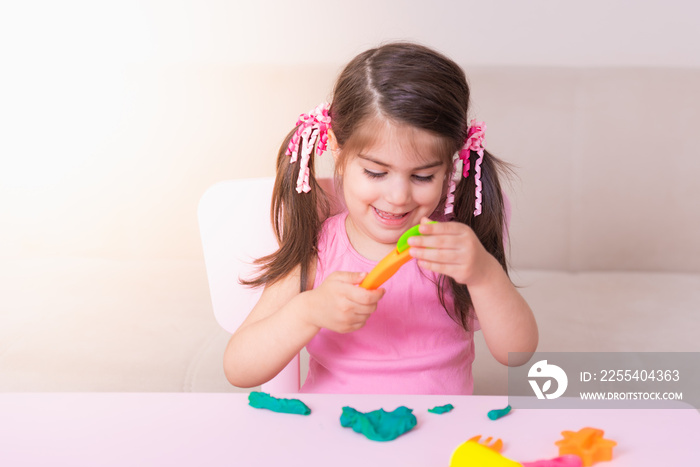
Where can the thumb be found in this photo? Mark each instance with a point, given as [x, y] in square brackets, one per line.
[357, 277]
[348, 277]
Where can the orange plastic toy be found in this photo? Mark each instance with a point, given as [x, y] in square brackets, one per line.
[391, 263]
[386, 268]
[587, 443]
[495, 446]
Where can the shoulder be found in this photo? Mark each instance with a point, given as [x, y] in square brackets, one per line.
[332, 231]
[288, 286]
[275, 295]
[334, 223]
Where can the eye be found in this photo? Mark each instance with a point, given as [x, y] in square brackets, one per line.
[423, 178]
[371, 174]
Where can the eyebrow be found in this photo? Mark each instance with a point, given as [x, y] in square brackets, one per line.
[384, 164]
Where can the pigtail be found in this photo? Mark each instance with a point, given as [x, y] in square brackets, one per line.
[296, 221]
[489, 227]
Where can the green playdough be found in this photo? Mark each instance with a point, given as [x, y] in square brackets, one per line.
[498, 413]
[262, 400]
[442, 409]
[379, 425]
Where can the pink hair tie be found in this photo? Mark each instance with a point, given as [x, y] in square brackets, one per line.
[474, 142]
[450, 202]
[312, 127]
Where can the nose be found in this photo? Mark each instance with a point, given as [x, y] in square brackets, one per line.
[398, 193]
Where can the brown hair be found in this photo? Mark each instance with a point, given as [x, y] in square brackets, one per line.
[405, 84]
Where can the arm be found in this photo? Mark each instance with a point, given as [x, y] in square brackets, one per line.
[285, 320]
[452, 248]
[505, 317]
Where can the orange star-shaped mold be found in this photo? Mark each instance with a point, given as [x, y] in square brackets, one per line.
[587, 443]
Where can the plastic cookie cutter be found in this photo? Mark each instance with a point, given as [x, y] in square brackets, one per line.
[495, 446]
[472, 454]
[587, 443]
[391, 263]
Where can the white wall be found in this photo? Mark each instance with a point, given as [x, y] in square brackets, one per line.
[115, 115]
[496, 32]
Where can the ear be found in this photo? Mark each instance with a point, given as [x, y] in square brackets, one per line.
[333, 144]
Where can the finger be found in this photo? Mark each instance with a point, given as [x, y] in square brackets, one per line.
[362, 296]
[349, 277]
[444, 228]
[359, 324]
[351, 326]
[440, 268]
[452, 242]
[358, 277]
[437, 255]
[426, 226]
[364, 311]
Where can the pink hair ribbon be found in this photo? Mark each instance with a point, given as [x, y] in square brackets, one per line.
[450, 202]
[311, 127]
[474, 142]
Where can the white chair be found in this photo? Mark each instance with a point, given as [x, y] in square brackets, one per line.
[234, 224]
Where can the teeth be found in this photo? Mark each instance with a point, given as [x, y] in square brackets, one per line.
[388, 215]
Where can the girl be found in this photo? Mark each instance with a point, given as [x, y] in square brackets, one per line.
[404, 154]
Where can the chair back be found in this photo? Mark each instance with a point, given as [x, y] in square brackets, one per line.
[235, 228]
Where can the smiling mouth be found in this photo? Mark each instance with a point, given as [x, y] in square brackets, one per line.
[388, 215]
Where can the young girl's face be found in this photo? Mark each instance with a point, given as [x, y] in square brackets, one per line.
[389, 186]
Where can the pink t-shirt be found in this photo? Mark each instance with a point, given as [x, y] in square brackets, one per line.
[408, 346]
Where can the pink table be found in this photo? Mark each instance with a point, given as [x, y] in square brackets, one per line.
[178, 429]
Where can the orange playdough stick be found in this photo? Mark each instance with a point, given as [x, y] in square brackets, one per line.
[385, 269]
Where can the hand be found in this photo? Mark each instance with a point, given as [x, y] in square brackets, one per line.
[339, 305]
[452, 249]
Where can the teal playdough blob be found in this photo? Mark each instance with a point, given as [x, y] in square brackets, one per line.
[379, 425]
[442, 409]
[498, 413]
[262, 400]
